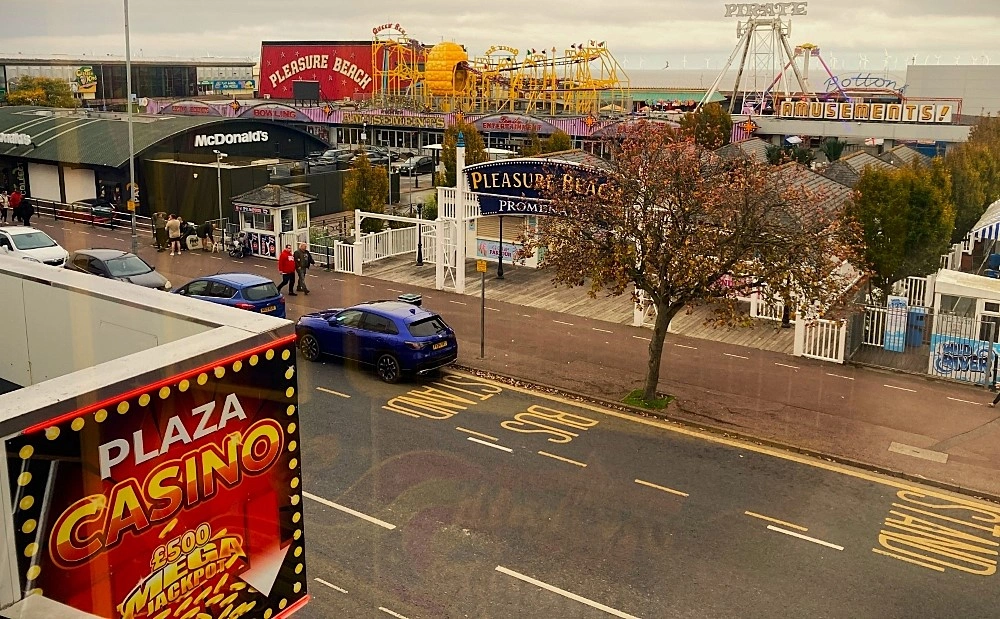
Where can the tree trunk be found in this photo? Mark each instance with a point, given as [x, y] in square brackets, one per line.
[664, 314]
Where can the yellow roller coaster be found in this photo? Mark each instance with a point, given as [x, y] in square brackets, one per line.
[583, 80]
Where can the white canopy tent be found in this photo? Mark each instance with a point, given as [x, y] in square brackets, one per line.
[988, 226]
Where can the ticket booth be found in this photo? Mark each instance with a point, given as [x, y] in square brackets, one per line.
[273, 216]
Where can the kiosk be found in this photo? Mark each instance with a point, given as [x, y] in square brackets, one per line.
[273, 216]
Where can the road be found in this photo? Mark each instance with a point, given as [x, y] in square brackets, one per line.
[473, 499]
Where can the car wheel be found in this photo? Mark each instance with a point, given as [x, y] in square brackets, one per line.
[309, 347]
[388, 369]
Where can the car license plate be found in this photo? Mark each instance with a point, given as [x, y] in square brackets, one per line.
[269, 308]
[439, 345]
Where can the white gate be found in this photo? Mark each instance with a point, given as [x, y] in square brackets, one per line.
[821, 339]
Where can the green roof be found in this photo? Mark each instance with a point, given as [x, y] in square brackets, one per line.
[652, 95]
[86, 136]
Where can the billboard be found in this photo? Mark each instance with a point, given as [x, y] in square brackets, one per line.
[342, 69]
[178, 499]
[517, 186]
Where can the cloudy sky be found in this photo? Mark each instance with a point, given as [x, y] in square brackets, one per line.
[691, 33]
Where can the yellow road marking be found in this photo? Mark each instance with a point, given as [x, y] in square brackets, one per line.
[547, 454]
[663, 488]
[936, 568]
[776, 521]
[762, 449]
[332, 392]
[474, 433]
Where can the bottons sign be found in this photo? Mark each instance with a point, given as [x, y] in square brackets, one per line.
[878, 112]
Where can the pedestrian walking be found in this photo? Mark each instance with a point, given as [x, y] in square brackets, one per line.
[160, 230]
[15, 204]
[4, 203]
[173, 228]
[286, 266]
[27, 210]
[303, 260]
[206, 232]
[995, 401]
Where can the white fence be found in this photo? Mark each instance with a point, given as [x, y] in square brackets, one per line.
[919, 291]
[767, 308]
[388, 243]
[821, 339]
[351, 257]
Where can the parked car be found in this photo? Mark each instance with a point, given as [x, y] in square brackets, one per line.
[241, 290]
[395, 337]
[31, 244]
[98, 211]
[117, 264]
[328, 156]
[416, 165]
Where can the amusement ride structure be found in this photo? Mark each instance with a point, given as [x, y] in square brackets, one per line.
[584, 80]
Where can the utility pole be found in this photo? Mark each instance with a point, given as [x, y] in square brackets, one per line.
[133, 189]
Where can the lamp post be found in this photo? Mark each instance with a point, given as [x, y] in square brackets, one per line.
[219, 156]
[500, 252]
[420, 236]
[388, 169]
[131, 142]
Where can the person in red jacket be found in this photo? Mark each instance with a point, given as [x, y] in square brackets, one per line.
[286, 266]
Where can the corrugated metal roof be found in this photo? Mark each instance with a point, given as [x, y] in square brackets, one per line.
[273, 195]
[87, 137]
[847, 170]
[754, 148]
[903, 155]
[827, 194]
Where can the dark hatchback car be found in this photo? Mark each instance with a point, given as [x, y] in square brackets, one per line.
[240, 290]
[416, 165]
[117, 264]
[97, 211]
[398, 339]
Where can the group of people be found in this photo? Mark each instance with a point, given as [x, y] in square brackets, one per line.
[22, 210]
[170, 230]
[294, 263]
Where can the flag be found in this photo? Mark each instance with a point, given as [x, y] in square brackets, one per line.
[743, 130]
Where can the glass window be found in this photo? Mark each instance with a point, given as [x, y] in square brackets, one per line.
[260, 292]
[350, 318]
[286, 220]
[127, 266]
[958, 306]
[380, 324]
[33, 240]
[197, 288]
[220, 290]
[427, 326]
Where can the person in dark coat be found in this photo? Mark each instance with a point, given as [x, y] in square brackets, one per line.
[27, 210]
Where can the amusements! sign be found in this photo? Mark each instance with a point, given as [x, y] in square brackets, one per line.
[876, 112]
[181, 499]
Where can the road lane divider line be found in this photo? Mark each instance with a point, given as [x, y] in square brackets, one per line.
[564, 593]
[492, 309]
[457, 302]
[785, 365]
[568, 324]
[659, 487]
[900, 388]
[965, 401]
[686, 346]
[83, 232]
[337, 279]
[839, 376]
[332, 392]
[548, 455]
[103, 236]
[479, 434]
[394, 290]
[737, 356]
[217, 258]
[330, 584]
[391, 613]
[929, 566]
[776, 521]
[481, 442]
[348, 510]
[368, 285]
[639, 337]
[805, 537]
[602, 330]
[525, 315]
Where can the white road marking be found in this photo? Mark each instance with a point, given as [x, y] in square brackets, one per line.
[457, 302]
[332, 392]
[776, 521]
[392, 613]
[559, 322]
[805, 537]
[602, 330]
[367, 285]
[348, 510]
[500, 447]
[686, 346]
[215, 258]
[737, 356]
[394, 290]
[639, 337]
[83, 232]
[103, 236]
[492, 309]
[474, 433]
[839, 376]
[659, 487]
[900, 388]
[525, 315]
[965, 401]
[918, 452]
[564, 593]
[785, 365]
[337, 279]
[547, 454]
[309, 274]
[260, 266]
[330, 584]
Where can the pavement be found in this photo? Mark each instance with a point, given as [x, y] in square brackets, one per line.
[913, 427]
[455, 496]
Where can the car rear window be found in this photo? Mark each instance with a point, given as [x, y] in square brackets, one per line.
[260, 292]
[427, 326]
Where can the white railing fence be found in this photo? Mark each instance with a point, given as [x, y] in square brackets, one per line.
[821, 339]
[388, 243]
[765, 307]
[919, 291]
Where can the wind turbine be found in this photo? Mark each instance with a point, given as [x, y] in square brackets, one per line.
[833, 60]
[958, 60]
[938, 58]
[625, 60]
[986, 59]
[862, 62]
[684, 62]
[885, 61]
[641, 60]
[708, 62]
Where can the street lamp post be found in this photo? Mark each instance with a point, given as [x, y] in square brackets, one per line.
[133, 190]
[420, 236]
[500, 252]
[219, 156]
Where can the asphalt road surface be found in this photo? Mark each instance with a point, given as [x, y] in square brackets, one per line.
[456, 497]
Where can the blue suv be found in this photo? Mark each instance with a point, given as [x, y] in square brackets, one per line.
[241, 290]
[396, 338]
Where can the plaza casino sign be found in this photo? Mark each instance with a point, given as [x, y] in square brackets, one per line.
[517, 186]
[178, 499]
[935, 113]
[342, 69]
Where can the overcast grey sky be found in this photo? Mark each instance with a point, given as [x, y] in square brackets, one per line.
[646, 31]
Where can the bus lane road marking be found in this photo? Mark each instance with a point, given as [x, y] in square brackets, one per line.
[776, 521]
[562, 459]
[494, 446]
[348, 510]
[566, 594]
[442, 399]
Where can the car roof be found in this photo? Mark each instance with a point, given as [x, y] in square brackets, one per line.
[102, 253]
[16, 230]
[238, 279]
[396, 309]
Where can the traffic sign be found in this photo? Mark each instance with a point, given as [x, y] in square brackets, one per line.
[131, 205]
[480, 266]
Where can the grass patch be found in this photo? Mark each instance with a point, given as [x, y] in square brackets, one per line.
[635, 399]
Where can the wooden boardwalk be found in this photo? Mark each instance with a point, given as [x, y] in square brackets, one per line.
[534, 288]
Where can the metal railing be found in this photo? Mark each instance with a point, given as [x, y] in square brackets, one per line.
[111, 219]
